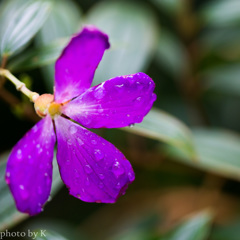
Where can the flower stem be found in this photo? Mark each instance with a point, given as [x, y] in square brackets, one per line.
[20, 86]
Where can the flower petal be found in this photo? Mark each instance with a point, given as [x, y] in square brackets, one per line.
[93, 169]
[118, 102]
[74, 70]
[29, 168]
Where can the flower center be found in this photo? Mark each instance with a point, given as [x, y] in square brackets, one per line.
[45, 105]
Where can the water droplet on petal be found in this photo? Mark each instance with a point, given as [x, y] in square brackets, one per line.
[131, 176]
[49, 199]
[131, 125]
[40, 150]
[87, 182]
[88, 169]
[80, 142]
[128, 115]
[118, 170]
[69, 141]
[100, 110]
[138, 100]
[72, 129]
[101, 176]
[68, 162]
[7, 177]
[19, 154]
[23, 192]
[35, 128]
[118, 186]
[94, 142]
[78, 196]
[98, 154]
[99, 93]
[38, 146]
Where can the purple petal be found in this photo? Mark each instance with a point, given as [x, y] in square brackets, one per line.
[29, 168]
[118, 102]
[92, 168]
[74, 70]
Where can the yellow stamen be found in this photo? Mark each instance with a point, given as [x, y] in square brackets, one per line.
[54, 109]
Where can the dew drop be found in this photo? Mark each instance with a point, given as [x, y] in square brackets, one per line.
[100, 110]
[118, 170]
[131, 176]
[118, 186]
[24, 193]
[88, 169]
[19, 154]
[49, 199]
[138, 99]
[94, 142]
[40, 150]
[101, 176]
[35, 128]
[38, 146]
[87, 182]
[78, 196]
[68, 162]
[7, 178]
[128, 115]
[72, 129]
[99, 93]
[80, 142]
[131, 125]
[98, 154]
[46, 174]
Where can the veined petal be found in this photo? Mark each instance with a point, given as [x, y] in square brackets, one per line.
[75, 68]
[91, 167]
[118, 102]
[29, 168]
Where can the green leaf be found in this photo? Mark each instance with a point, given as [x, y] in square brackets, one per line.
[39, 57]
[221, 13]
[230, 231]
[164, 127]
[64, 20]
[19, 22]
[170, 54]
[223, 79]
[9, 216]
[196, 227]
[132, 33]
[217, 151]
[171, 6]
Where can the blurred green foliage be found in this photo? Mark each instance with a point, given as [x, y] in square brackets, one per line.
[186, 152]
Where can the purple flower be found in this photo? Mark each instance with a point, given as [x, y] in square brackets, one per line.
[92, 168]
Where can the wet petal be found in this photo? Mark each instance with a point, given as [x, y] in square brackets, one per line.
[29, 168]
[91, 167]
[118, 102]
[74, 70]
